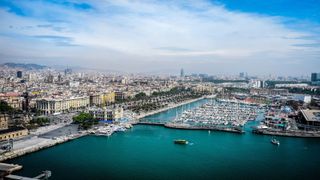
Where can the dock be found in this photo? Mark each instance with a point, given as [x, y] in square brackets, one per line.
[302, 134]
[223, 129]
[183, 127]
[6, 170]
[152, 123]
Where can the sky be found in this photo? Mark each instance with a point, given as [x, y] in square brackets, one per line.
[277, 37]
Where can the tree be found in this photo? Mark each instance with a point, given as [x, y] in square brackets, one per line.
[140, 95]
[4, 107]
[85, 120]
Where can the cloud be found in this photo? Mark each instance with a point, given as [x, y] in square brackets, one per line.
[145, 32]
[58, 40]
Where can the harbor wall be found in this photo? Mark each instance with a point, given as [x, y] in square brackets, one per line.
[301, 134]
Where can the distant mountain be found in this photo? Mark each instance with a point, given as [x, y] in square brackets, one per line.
[24, 66]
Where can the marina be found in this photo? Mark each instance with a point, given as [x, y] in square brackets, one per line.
[220, 115]
[146, 152]
[212, 153]
[146, 140]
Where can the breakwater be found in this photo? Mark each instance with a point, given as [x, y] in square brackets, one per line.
[292, 133]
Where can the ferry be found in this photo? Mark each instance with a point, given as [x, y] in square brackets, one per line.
[181, 141]
[275, 142]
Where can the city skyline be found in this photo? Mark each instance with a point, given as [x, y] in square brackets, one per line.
[214, 37]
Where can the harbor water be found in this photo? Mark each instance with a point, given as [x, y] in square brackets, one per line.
[148, 152]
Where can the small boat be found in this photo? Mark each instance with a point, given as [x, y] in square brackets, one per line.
[275, 142]
[181, 141]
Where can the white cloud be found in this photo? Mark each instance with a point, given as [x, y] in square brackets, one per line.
[137, 31]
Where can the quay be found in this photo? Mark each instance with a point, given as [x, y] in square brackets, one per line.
[7, 169]
[151, 123]
[186, 127]
[287, 133]
[37, 147]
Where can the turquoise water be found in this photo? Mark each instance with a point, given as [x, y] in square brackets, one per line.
[148, 152]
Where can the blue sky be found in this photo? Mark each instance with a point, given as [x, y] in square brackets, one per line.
[280, 37]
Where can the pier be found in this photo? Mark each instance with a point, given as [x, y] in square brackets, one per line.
[292, 133]
[224, 129]
[187, 127]
[7, 169]
[152, 123]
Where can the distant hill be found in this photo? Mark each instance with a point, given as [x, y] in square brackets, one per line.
[24, 66]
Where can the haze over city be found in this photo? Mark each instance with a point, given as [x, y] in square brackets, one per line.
[215, 37]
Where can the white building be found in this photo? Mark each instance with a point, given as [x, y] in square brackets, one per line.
[114, 114]
[61, 105]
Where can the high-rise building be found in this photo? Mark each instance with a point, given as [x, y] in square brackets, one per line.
[315, 78]
[59, 78]
[182, 73]
[50, 78]
[241, 75]
[19, 74]
[67, 71]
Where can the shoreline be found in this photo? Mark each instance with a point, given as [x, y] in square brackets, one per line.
[47, 143]
[39, 146]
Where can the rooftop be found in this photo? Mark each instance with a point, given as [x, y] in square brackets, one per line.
[311, 115]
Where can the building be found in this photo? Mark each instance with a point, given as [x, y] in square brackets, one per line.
[59, 78]
[67, 71]
[13, 133]
[58, 106]
[257, 84]
[301, 97]
[203, 88]
[19, 74]
[13, 99]
[119, 96]
[4, 118]
[114, 114]
[31, 77]
[50, 78]
[109, 98]
[96, 100]
[182, 73]
[255, 91]
[308, 119]
[74, 83]
[315, 78]
[241, 75]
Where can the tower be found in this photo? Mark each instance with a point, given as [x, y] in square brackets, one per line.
[181, 72]
[19, 74]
